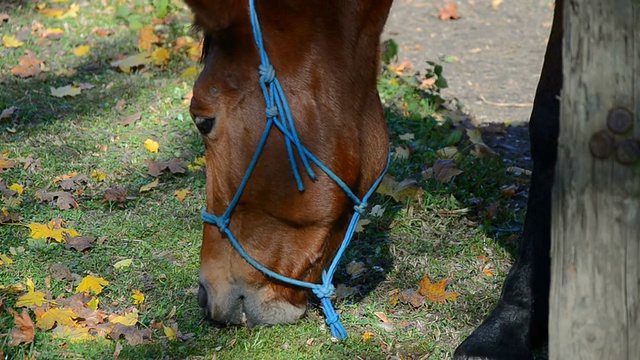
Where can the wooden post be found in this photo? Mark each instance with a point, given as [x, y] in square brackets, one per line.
[595, 273]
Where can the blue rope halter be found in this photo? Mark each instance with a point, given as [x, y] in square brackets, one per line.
[279, 115]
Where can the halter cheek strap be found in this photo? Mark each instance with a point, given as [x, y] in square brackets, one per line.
[278, 114]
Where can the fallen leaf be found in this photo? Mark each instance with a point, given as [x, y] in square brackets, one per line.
[366, 336]
[123, 264]
[407, 137]
[401, 152]
[28, 66]
[147, 38]
[128, 120]
[50, 231]
[361, 224]
[182, 194]
[81, 50]
[138, 297]
[128, 319]
[382, 316]
[480, 148]
[25, 328]
[160, 56]
[17, 188]
[72, 11]
[403, 191]
[62, 199]
[71, 181]
[5, 260]
[496, 3]
[151, 145]
[101, 32]
[54, 13]
[401, 67]
[170, 333]
[91, 284]
[115, 195]
[175, 166]
[68, 90]
[436, 292]
[190, 73]
[355, 268]
[99, 175]
[79, 243]
[7, 113]
[133, 335]
[131, 62]
[149, 186]
[411, 297]
[449, 12]
[116, 352]
[488, 270]
[60, 272]
[56, 315]
[53, 34]
[11, 42]
[72, 334]
[442, 170]
[30, 298]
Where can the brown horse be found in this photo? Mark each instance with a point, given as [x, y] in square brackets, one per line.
[328, 67]
[326, 56]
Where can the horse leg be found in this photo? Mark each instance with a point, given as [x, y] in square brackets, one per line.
[519, 323]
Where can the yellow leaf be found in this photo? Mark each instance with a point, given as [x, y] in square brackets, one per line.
[131, 62]
[47, 231]
[123, 264]
[182, 194]
[170, 333]
[13, 289]
[30, 285]
[147, 38]
[435, 292]
[63, 91]
[495, 3]
[17, 188]
[11, 42]
[93, 303]
[54, 13]
[4, 259]
[149, 186]
[200, 160]
[487, 270]
[138, 297]
[99, 175]
[366, 336]
[73, 334]
[160, 56]
[403, 191]
[81, 50]
[480, 148]
[190, 72]
[128, 319]
[193, 167]
[56, 315]
[30, 298]
[91, 283]
[53, 33]
[151, 146]
[449, 152]
[72, 12]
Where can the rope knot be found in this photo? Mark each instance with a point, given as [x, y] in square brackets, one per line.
[272, 112]
[324, 291]
[360, 209]
[267, 73]
[222, 224]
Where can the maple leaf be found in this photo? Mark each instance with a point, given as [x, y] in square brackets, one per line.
[7, 217]
[403, 191]
[133, 335]
[361, 224]
[50, 231]
[53, 34]
[182, 194]
[488, 270]
[131, 62]
[115, 195]
[412, 297]
[436, 292]
[68, 90]
[60, 272]
[62, 199]
[151, 145]
[31, 298]
[128, 120]
[73, 334]
[156, 168]
[25, 329]
[4, 260]
[11, 42]
[170, 333]
[54, 13]
[81, 50]
[99, 175]
[401, 152]
[72, 11]
[17, 188]
[190, 73]
[138, 297]
[149, 186]
[7, 113]
[449, 12]
[128, 319]
[449, 152]
[91, 284]
[72, 180]
[442, 170]
[56, 315]
[480, 148]
[12, 289]
[28, 66]
[147, 38]
[122, 264]
[93, 303]
[79, 243]
[366, 336]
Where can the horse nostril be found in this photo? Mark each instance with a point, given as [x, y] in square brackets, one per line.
[202, 297]
[204, 124]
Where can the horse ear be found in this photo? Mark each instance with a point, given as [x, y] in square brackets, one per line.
[213, 15]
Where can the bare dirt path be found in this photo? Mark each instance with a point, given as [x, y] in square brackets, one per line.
[500, 51]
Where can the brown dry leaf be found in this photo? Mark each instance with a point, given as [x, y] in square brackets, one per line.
[449, 12]
[147, 39]
[79, 243]
[8, 112]
[53, 34]
[4, 18]
[488, 270]
[182, 194]
[128, 120]
[28, 66]
[116, 195]
[117, 351]
[175, 166]
[25, 328]
[436, 292]
[403, 191]
[382, 316]
[480, 149]
[442, 170]
[71, 181]
[62, 199]
[133, 335]
[7, 217]
[60, 272]
[401, 67]
[101, 32]
[411, 297]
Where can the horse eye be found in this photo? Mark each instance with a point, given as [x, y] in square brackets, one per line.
[215, 91]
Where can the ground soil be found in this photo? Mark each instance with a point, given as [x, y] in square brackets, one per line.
[497, 54]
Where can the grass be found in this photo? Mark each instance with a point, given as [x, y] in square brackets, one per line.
[447, 232]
